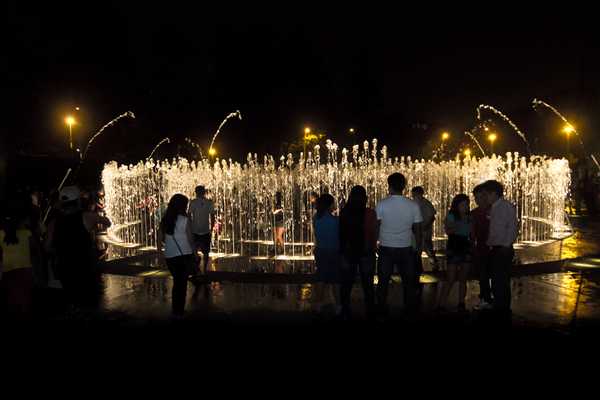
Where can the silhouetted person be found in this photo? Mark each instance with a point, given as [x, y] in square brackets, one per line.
[176, 234]
[480, 230]
[428, 213]
[399, 219]
[16, 272]
[202, 214]
[279, 224]
[458, 249]
[94, 224]
[358, 243]
[327, 249]
[73, 249]
[504, 229]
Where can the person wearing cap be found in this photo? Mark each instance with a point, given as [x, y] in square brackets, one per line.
[71, 244]
[94, 223]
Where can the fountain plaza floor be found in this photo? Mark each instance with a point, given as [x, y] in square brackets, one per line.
[554, 297]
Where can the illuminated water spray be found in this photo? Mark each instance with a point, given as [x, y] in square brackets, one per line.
[505, 118]
[247, 194]
[165, 140]
[232, 115]
[89, 143]
[469, 134]
[537, 102]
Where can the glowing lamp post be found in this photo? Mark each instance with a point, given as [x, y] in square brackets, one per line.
[568, 130]
[69, 120]
[492, 138]
[306, 133]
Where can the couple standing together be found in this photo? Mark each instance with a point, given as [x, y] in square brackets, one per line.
[395, 223]
[184, 232]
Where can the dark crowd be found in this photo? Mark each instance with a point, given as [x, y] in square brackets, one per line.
[51, 243]
[362, 242]
[49, 248]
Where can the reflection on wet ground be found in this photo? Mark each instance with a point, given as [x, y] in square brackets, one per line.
[561, 301]
[560, 297]
[530, 259]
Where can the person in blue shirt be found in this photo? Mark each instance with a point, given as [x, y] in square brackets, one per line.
[458, 249]
[327, 250]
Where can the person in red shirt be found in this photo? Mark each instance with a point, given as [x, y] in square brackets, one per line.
[479, 236]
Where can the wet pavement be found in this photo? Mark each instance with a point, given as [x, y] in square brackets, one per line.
[562, 301]
[556, 297]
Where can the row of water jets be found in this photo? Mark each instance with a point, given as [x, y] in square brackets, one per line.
[246, 194]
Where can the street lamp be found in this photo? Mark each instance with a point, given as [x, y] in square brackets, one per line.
[568, 129]
[351, 130]
[306, 133]
[445, 137]
[492, 138]
[69, 120]
[467, 152]
[212, 152]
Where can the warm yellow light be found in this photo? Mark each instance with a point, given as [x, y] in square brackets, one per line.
[568, 129]
[492, 137]
[351, 130]
[311, 137]
[486, 128]
[212, 152]
[445, 136]
[467, 152]
[69, 120]
[306, 130]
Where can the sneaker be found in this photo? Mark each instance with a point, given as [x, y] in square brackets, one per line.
[483, 306]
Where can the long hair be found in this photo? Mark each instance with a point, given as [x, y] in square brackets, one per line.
[177, 206]
[352, 219]
[459, 198]
[357, 203]
[324, 203]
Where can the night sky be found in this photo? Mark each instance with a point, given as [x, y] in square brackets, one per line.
[182, 72]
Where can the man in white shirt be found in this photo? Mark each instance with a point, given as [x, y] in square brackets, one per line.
[202, 214]
[504, 229]
[398, 218]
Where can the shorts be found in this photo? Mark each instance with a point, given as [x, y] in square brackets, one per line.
[458, 250]
[202, 242]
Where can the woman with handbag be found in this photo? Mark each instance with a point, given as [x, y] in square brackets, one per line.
[176, 234]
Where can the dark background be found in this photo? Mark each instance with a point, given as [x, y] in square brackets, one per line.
[181, 71]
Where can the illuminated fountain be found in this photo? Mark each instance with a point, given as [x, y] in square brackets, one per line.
[244, 194]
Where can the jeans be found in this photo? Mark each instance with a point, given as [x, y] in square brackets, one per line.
[350, 266]
[500, 264]
[404, 260]
[179, 267]
[483, 267]
[428, 245]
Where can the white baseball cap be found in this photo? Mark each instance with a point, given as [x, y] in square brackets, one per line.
[69, 193]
